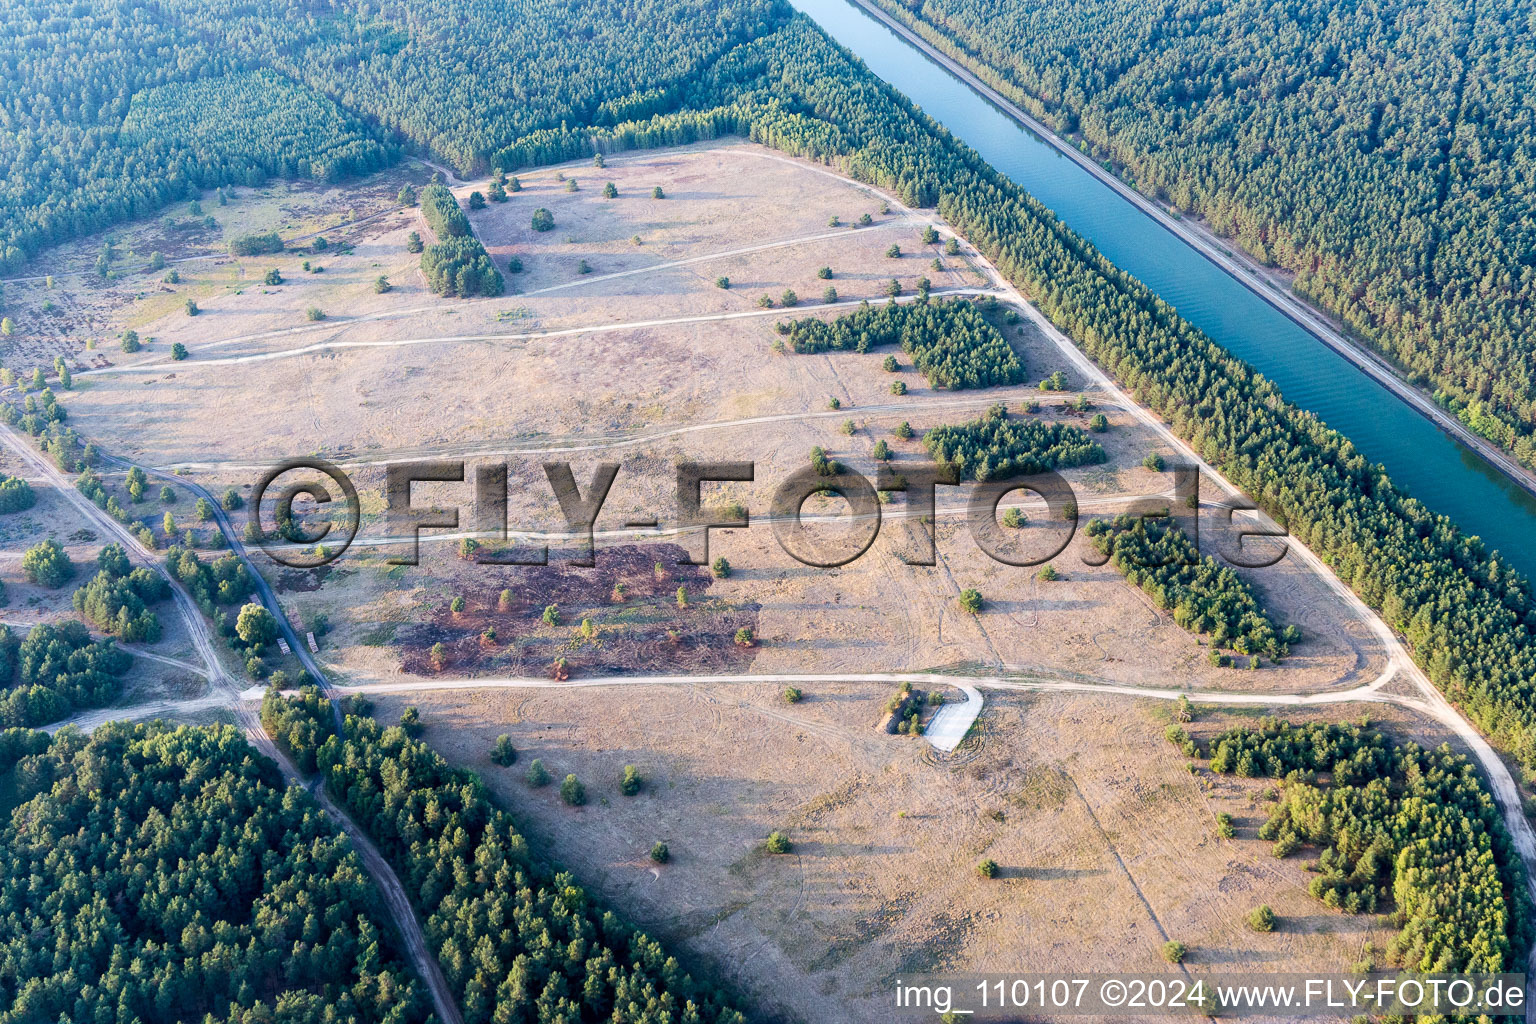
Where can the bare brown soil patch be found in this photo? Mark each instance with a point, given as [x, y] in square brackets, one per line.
[643, 627]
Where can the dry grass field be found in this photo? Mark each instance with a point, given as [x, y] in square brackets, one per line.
[618, 365]
[1105, 838]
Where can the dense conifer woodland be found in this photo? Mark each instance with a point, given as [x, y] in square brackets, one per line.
[112, 110]
[154, 873]
[1379, 154]
[517, 940]
[1392, 826]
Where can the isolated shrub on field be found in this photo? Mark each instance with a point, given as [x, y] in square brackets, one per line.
[630, 781]
[538, 775]
[46, 564]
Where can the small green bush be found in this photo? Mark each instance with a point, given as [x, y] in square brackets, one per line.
[630, 781]
[538, 775]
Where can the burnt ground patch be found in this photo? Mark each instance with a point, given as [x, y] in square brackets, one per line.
[306, 581]
[640, 627]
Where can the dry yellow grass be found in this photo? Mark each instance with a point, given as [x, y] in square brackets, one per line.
[1107, 844]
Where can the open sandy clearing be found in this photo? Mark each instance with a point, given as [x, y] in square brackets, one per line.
[650, 397]
[1106, 841]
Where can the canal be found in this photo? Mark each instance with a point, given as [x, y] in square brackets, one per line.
[1429, 463]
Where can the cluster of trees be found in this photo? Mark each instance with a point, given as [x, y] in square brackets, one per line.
[950, 342]
[515, 943]
[257, 245]
[223, 581]
[461, 266]
[89, 484]
[251, 633]
[1204, 595]
[54, 670]
[457, 264]
[118, 597]
[997, 446]
[47, 564]
[300, 724]
[1395, 823]
[442, 212]
[40, 414]
[1375, 151]
[16, 495]
[168, 874]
